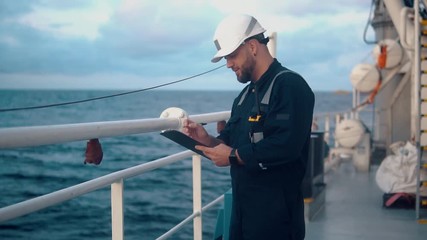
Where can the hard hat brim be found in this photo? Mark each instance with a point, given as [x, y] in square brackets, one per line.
[216, 59]
[224, 52]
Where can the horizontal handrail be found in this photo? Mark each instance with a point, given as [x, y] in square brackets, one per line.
[53, 134]
[35, 204]
[190, 218]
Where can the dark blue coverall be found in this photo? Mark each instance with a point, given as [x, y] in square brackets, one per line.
[267, 196]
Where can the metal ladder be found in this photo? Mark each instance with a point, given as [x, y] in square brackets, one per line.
[420, 78]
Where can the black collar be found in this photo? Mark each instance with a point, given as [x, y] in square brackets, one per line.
[267, 76]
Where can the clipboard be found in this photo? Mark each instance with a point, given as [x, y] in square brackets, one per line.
[183, 140]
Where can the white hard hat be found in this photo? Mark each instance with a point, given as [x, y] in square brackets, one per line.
[232, 31]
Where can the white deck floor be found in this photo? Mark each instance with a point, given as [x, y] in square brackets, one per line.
[353, 210]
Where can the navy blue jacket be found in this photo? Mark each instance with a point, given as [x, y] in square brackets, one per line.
[267, 197]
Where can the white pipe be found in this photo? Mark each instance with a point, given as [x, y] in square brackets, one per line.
[117, 232]
[210, 117]
[337, 121]
[54, 134]
[272, 44]
[197, 197]
[394, 9]
[404, 15]
[35, 204]
[177, 227]
[213, 203]
[327, 128]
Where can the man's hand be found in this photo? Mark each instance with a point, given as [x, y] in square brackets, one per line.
[218, 151]
[196, 131]
[218, 154]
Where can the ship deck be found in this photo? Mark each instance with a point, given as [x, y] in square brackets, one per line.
[353, 210]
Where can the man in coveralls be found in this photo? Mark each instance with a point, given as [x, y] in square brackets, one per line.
[266, 140]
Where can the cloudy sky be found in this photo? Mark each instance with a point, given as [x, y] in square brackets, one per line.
[133, 44]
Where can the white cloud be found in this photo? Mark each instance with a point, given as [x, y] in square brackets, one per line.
[290, 17]
[9, 40]
[228, 7]
[75, 23]
[158, 40]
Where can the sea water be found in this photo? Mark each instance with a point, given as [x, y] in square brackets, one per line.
[153, 202]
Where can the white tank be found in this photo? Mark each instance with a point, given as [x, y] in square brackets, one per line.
[349, 132]
[364, 77]
[394, 52]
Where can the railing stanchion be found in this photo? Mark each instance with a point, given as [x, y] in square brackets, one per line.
[337, 121]
[117, 210]
[327, 129]
[197, 196]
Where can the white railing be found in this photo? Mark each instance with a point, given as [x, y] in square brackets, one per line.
[40, 135]
[53, 134]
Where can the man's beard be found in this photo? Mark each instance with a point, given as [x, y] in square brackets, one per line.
[247, 70]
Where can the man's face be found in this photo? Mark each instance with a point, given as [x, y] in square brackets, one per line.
[242, 63]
